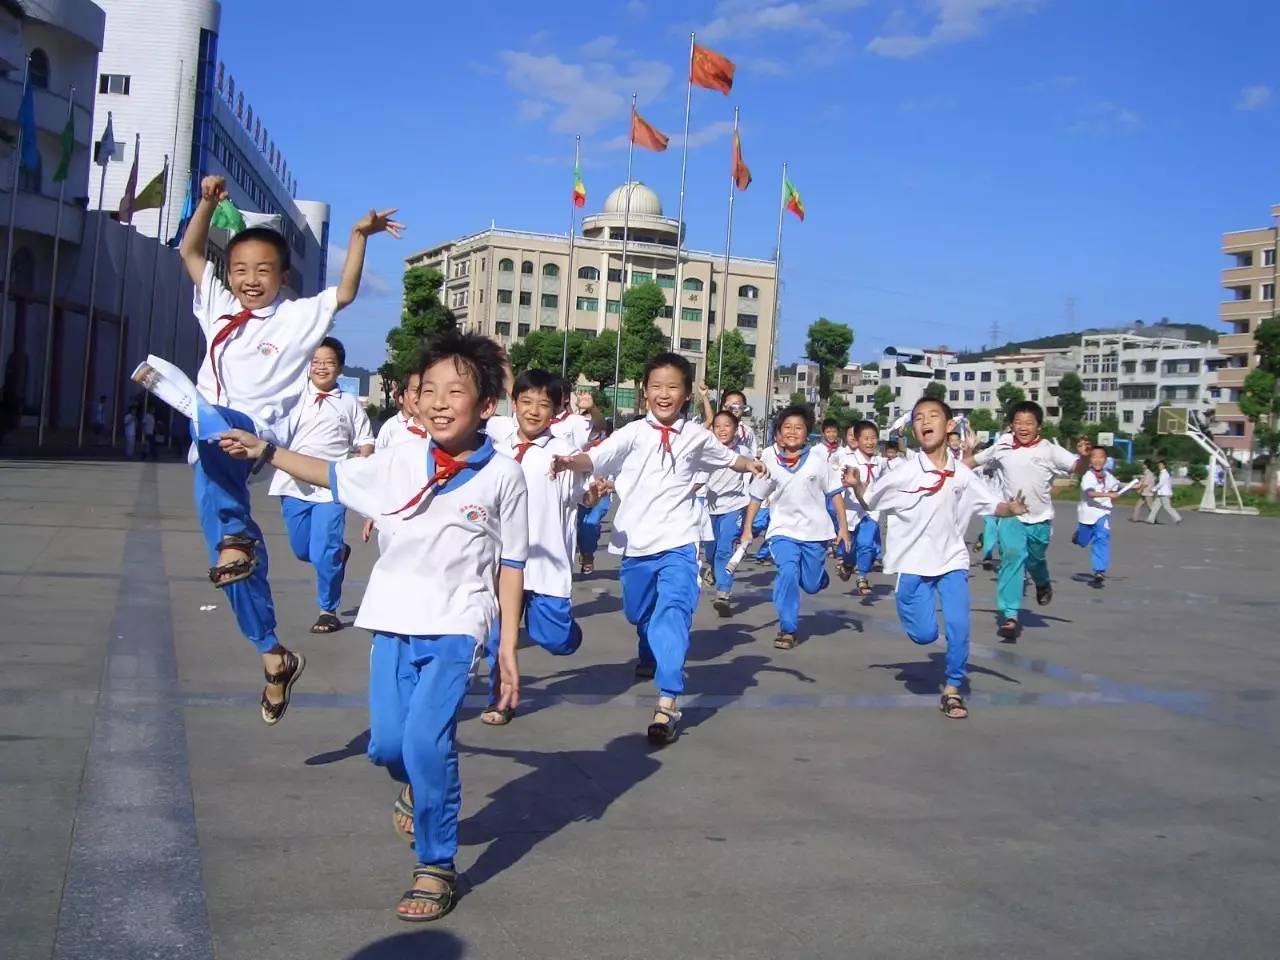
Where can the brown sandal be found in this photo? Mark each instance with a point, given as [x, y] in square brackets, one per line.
[294, 664]
[501, 716]
[784, 641]
[403, 807]
[952, 706]
[224, 574]
[443, 899]
[326, 623]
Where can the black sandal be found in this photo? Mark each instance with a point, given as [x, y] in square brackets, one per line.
[326, 623]
[224, 574]
[403, 807]
[444, 899]
[1008, 629]
[667, 730]
[952, 706]
[294, 665]
[784, 640]
[502, 716]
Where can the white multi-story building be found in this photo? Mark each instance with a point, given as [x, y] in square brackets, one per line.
[975, 384]
[1127, 376]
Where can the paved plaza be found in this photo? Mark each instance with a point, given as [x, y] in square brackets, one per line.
[1114, 794]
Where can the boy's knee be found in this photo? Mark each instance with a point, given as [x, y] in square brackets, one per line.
[922, 637]
[385, 751]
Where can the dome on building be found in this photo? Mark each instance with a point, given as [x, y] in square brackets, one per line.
[643, 200]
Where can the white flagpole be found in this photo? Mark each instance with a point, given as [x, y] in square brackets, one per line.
[724, 279]
[684, 162]
[53, 295]
[626, 229]
[93, 287]
[568, 284]
[155, 268]
[777, 296]
[163, 235]
[13, 215]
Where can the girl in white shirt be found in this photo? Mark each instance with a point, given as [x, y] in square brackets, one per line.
[655, 462]
[727, 500]
[1164, 496]
[1098, 490]
[864, 527]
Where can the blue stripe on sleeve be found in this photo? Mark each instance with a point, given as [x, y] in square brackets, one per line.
[513, 564]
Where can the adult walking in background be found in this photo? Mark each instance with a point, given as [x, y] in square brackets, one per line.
[1147, 492]
[1164, 495]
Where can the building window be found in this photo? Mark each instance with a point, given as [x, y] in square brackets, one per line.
[667, 312]
[969, 375]
[692, 283]
[748, 292]
[691, 314]
[1035, 394]
[751, 349]
[748, 321]
[550, 300]
[38, 67]
[613, 306]
[691, 344]
[1035, 371]
[503, 328]
[114, 83]
[117, 153]
[588, 273]
[615, 275]
[504, 296]
[641, 276]
[1268, 291]
[667, 281]
[1148, 366]
[526, 298]
[955, 376]
[1002, 375]
[1269, 257]
[1126, 416]
[591, 304]
[985, 376]
[527, 268]
[711, 318]
[1130, 366]
[506, 265]
[1109, 363]
[955, 395]
[550, 270]
[522, 329]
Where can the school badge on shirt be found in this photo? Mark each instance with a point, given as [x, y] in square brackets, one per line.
[474, 512]
[267, 348]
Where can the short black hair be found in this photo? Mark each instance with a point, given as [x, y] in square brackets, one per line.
[859, 426]
[726, 413]
[724, 397]
[946, 407]
[1027, 406]
[669, 360]
[263, 235]
[891, 445]
[334, 344]
[552, 386]
[954, 433]
[830, 422]
[566, 391]
[1148, 463]
[1098, 446]
[795, 410]
[483, 359]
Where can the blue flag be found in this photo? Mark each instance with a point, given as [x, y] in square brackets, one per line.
[188, 208]
[30, 159]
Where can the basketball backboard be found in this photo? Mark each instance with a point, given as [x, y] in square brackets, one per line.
[1171, 420]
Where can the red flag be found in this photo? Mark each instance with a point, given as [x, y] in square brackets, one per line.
[741, 172]
[711, 70]
[644, 135]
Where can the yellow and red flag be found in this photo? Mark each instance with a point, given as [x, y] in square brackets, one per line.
[791, 199]
[579, 191]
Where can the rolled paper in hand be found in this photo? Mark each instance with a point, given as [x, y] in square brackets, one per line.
[736, 559]
[167, 382]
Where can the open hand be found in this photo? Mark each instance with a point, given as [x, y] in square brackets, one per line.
[378, 222]
[366, 531]
[758, 469]
[213, 188]
[559, 464]
[242, 444]
[1017, 506]
[509, 683]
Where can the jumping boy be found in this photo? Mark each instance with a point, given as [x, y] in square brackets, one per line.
[1098, 490]
[931, 496]
[864, 527]
[1027, 467]
[803, 490]
[454, 566]
[254, 371]
[656, 460]
[330, 424]
[553, 517]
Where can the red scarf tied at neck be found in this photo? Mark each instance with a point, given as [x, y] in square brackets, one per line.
[237, 320]
[447, 468]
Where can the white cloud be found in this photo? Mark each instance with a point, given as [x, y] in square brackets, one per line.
[373, 285]
[953, 21]
[1107, 117]
[600, 48]
[766, 66]
[530, 110]
[745, 18]
[1254, 98]
[581, 97]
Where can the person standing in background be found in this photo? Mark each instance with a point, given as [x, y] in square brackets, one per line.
[1164, 495]
[1147, 492]
[148, 433]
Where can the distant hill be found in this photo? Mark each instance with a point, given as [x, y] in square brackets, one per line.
[1187, 331]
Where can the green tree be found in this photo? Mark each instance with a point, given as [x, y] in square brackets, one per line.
[882, 400]
[935, 391]
[641, 338]
[390, 377]
[1260, 398]
[737, 362]
[983, 419]
[828, 346]
[597, 362]
[1071, 403]
[1108, 424]
[422, 316]
[543, 350]
[798, 399]
[838, 410]
[1008, 395]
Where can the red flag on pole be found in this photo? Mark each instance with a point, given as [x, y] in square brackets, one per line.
[741, 172]
[711, 70]
[645, 135]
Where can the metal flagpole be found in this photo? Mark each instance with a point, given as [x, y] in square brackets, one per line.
[626, 229]
[163, 236]
[684, 162]
[13, 215]
[777, 291]
[121, 330]
[93, 287]
[155, 269]
[724, 279]
[568, 284]
[53, 294]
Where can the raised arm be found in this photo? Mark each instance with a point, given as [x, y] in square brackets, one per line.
[587, 406]
[707, 412]
[246, 446]
[371, 223]
[743, 464]
[213, 190]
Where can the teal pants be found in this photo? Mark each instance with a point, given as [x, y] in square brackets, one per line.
[1022, 550]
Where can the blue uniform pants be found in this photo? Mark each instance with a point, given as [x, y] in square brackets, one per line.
[659, 593]
[416, 687]
[917, 609]
[728, 530]
[802, 565]
[589, 522]
[1022, 551]
[758, 526]
[835, 529]
[550, 624]
[315, 534]
[222, 503]
[990, 535]
[866, 544]
[1097, 537]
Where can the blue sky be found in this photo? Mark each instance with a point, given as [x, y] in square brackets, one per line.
[964, 162]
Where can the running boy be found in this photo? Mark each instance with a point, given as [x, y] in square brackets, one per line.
[453, 568]
[864, 527]
[1098, 490]
[656, 460]
[1027, 467]
[329, 423]
[931, 498]
[254, 371]
[403, 425]
[802, 486]
[727, 501]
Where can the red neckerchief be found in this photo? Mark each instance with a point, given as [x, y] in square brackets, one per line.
[564, 415]
[831, 447]
[447, 468]
[870, 464]
[789, 462]
[664, 442]
[522, 447]
[1101, 477]
[1017, 445]
[322, 397]
[942, 475]
[237, 320]
[416, 430]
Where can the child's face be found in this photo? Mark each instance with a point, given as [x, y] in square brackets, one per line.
[409, 398]
[891, 453]
[325, 368]
[449, 405]
[735, 403]
[831, 434]
[724, 430]
[666, 393]
[1098, 459]
[867, 441]
[792, 434]
[534, 411]
[255, 273]
[929, 423]
[1025, 427]
[953, 442]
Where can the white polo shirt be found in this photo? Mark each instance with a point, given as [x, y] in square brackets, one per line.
[262, 367]
[928, 527]
[438, 569]
[727, 490]
[868, 468]
[658, 510]
[798, 495]
[1164, 484]
[747, 443]
[1029, 471]
[396, 431]
[574, 427]
[553, 513]
[1090, 511]
[329, 427]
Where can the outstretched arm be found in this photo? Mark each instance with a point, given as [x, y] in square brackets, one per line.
[371, 223]
[748, 519]
[244, 445]
[577, 463]
[213, 190]
[747, 465]
[510, 600]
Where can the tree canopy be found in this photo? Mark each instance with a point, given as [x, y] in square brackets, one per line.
[422, 316]
[828, 346]
[1260, 397]
[1009, 394]
[737, 362]
[882, 400]
[543, 350]
[1071, 403]
[641, 338]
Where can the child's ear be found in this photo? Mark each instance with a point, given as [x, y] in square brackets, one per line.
[488, 408]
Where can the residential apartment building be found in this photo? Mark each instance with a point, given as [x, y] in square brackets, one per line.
[507, 283]
[1127, 376]
[1249, 284]
[975, 384]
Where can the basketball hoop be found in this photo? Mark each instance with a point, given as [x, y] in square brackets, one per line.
[1171, 420]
